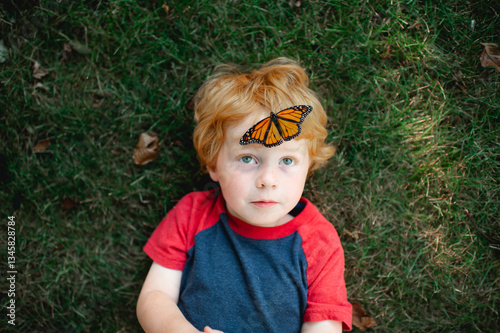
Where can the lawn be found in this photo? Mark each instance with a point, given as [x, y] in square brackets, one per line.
[413, 189]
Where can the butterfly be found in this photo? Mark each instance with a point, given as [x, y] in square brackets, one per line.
[284, 125]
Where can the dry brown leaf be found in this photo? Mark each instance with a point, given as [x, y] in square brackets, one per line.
[4, 52]
[41, 86]
[353, 236]
[164, 6]
[79, 47]
[39, 71]
[360, 317]
[386, 53]
[41, 146]
[66, 52]
[146, 149]
[490, 57]
[190, 104]
[68, 204]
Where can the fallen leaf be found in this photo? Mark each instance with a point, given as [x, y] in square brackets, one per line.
[40, 85]
[41, 146]
[190, 104]
[79, 47]
[146, 149]
[68, 203]
[66, 52]
[360, 317]
[100, 94]
[386, 53]
[4, 52]
[39, 71]
[353, 236]
[145, 202]
[164, 6]
[490, 57]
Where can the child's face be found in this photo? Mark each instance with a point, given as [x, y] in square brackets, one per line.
[261, 185]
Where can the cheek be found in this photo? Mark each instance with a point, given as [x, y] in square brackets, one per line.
[235, 184]
[231, 181]
[296, 185]
[225, 180]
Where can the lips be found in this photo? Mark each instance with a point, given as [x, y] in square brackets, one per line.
[264, 203]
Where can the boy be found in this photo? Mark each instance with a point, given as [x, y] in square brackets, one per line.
[253, 256]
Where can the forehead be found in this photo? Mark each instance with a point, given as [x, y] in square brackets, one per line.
[236, 130]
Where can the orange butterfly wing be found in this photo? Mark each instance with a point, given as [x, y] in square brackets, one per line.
[264, 132]
[273, 137]
[271, 131]
[289, 121]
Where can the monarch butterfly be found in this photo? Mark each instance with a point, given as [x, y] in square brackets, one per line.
[284, 125]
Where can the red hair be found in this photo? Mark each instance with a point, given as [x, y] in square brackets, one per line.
[229, 96]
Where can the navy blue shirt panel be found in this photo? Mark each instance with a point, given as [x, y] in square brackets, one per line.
[237, 284]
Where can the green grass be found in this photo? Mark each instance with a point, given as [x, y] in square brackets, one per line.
[413, 114]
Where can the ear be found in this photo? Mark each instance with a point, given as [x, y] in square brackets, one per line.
[213, 174]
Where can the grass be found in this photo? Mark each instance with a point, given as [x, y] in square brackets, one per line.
[413, 114]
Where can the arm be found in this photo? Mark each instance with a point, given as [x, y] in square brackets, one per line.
[157, 309]
[325, 326]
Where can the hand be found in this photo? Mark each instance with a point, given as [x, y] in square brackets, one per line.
[209, 330]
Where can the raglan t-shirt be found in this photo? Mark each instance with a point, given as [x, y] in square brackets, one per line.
[239, 277]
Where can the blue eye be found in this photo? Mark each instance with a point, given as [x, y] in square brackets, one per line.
[247, 159]
[287, 161]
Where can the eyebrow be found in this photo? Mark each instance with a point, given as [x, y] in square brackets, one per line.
[259, 146]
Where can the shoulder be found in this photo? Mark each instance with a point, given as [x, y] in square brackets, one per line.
[320, 240]
[192, 213]
[197, 198]
[195, 204]
[175, 234]
[327, 297]
[316, 227]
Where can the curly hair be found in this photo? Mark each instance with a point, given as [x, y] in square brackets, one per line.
[229, 95]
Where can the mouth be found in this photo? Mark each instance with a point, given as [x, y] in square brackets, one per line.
[264, 203]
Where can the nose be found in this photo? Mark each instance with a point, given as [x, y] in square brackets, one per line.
[267, 177]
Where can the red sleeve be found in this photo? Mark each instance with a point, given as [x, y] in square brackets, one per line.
[327, 295]
[170, 242]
